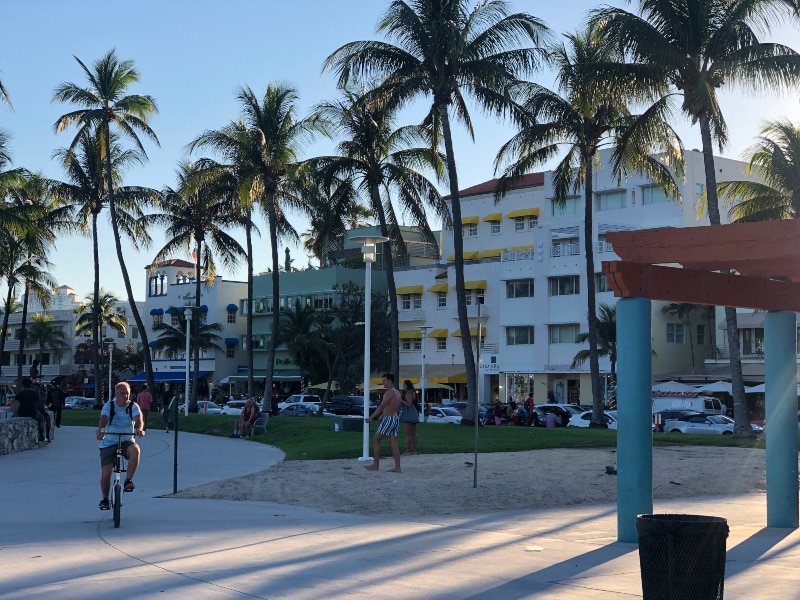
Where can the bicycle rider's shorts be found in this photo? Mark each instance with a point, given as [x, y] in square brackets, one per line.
[108, 454]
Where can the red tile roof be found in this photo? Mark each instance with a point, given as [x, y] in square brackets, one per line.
[488, 187]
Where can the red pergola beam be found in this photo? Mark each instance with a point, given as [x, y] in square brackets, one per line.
[670, 284]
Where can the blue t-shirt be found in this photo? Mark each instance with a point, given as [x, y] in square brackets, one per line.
[122, 423]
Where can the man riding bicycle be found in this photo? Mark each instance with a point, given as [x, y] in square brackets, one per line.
[118, 416]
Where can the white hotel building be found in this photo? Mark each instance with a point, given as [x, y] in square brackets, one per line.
[525, 261]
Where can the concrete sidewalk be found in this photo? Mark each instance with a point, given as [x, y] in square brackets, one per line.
[54, 542]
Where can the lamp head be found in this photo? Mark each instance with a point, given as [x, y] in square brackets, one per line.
[368, 242]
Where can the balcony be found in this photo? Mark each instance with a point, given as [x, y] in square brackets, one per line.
[604, 248]
[561, 250]
[407, 316]
[515, 255]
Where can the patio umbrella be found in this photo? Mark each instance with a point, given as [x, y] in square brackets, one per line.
[437, 386]
[717, 386]
[324, 386]
[761, 388]
[673, 386]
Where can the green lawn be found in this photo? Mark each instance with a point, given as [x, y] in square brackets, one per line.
[313, 439]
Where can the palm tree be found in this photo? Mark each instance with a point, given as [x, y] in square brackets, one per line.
[172, 340]
[606, 340]
[46, 335]
[590, 112]
[263, 146]
[723, 48]
[105, 103]
[4, 95]
[445, 48]
[299, 329]
[194, 217]
[108, 316]
[10, 177]
[683, 311]
[775, 161]
[381, 163]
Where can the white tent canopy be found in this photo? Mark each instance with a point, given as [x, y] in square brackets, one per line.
[673, 386]
[717, 386]
[761, 388]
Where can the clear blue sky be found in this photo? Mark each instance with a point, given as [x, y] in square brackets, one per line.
[193, 55]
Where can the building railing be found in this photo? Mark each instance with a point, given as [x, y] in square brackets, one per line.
[512, 255]
[603, 247]
[558, 250]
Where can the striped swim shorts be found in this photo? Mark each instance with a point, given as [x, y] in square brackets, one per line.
[389, 425]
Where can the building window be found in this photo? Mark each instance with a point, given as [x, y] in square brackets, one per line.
[533, 221]
[698, 189]
[519, 288]
[441, 343]
[158, 319]
[519, 336]
[566, 333]
[411, 301]
[570, 206]
[468, 297]
[411, 345]
[322, 301]
[653, 195]
[519, 223]
[480, 296]
[675, 333]
[441, 299]
[231, 316]
[230, 352]
[134, 333]
[701, 335]
[471, 230]
[568, 285]
[120, 335]
[601, 283]
[176, 319]
[611, 200]
[495, 225]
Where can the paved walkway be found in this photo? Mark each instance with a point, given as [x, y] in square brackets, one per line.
[54, 543]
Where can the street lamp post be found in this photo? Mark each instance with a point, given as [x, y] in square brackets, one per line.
[423, 329]
[110, 362]
[369, 243]
[187, 312]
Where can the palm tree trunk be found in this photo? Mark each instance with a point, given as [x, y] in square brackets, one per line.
[22, 336]
[196, 329]
[9, 295]
[248, 229]
[96, 341]
[276, 291]
[388, 263]
[148, 365]
[458, 249]
[741, 426]
[591, 300]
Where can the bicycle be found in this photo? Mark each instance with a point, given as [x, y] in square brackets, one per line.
[117, 489]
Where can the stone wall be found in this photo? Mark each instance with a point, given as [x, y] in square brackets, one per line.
[18, 434]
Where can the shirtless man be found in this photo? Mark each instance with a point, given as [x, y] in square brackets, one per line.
[389, 424]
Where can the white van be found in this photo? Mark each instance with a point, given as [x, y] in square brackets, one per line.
[704, 404]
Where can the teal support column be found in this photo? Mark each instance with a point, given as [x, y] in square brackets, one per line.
[780, 375]
[634, 416]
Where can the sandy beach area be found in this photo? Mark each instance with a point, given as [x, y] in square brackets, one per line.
[443, 484]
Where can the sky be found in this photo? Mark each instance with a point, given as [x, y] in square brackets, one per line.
[192, 56]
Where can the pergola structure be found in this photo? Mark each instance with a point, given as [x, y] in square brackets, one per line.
[760, 264]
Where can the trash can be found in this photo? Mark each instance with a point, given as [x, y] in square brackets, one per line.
[682, 557]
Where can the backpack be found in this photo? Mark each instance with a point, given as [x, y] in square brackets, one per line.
[128, 409]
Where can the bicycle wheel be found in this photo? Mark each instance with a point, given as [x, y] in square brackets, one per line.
[117, 502]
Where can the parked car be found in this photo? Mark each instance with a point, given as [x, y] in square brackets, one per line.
[233, 407]
[349, 405]
[204, 407]
[663, 416]
[701, 424]
[78, 403]
[443, 414]
[300, 409]
[298, 398]
[585, 418]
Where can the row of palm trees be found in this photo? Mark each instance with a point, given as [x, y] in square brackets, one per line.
[446, 51]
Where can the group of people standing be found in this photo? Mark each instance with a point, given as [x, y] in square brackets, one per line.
[396, 406]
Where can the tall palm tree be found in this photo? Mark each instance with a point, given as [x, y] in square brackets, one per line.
[698, 46]
[85, 193]
[108, 316]
[264, 146]
[4, 97]
[10, 219]
[589, 112]
[775, 161]
[382, 164]
[444, 49]
[46, 335]
[106, 102]
[195, 217]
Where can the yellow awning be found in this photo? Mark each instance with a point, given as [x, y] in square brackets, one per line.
[523, 212]
[460, 378]
[473, 331]
[490, 253]
[410, 289]
[493, 217]
[410, 335]
[477, 284]
[438, 287]
[467, 256]
[437, 333]
[469, 220]
[523, 247]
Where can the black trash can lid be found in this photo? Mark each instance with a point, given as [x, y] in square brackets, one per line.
[660, 524]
